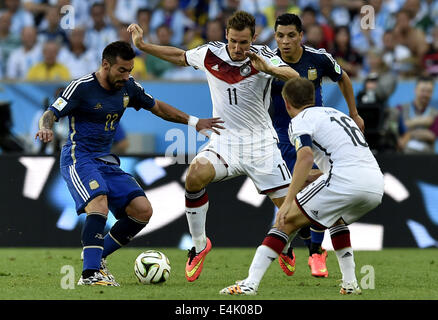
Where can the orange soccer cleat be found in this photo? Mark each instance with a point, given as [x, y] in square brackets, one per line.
[196, 261]
[317, 264]
[287, 262]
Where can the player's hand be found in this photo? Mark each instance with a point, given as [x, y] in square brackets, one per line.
[136, 34]
[45, 135]
[359, 121]
[210, 124]
[257, 62]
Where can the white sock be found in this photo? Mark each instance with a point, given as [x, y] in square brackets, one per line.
[196, 218]
[346, 264]
[263, 258]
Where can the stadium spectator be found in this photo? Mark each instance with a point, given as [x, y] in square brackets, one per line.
[265, 34]
[53, 31]
[77, 57]
[363, 39]
[411, 37]
[8, 41]
[20, 18]
[144, 20]
[279, 7]
[308, 18]
[156, 67]
[49, 69]
[125, 11]
[100, 34]
[315, 37]
[421, 118]
[397, 56]
[430, 59]
[333, 14]
[170, 15]
[22, 58]
[214, 31]
[348, 58]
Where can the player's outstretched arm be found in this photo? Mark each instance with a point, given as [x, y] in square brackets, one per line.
[169, 113]
[346, 88]
[283, 73]
[168, 53]
[45, 125]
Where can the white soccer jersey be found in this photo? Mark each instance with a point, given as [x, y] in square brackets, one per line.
[240, 93]
[338, 145]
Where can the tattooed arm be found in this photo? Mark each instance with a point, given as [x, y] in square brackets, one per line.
[45, 125]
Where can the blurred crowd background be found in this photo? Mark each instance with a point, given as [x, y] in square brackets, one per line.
[54, 41]
[404, 39]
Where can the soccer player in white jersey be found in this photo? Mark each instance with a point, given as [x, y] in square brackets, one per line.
[351, 185]
[239, 75]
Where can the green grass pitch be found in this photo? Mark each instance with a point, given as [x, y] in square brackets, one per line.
[39, 274]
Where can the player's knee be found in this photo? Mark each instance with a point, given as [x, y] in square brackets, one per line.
[98, 204]
[199, 176]
[140, 209]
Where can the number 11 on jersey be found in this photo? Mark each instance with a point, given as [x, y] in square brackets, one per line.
[231, 93]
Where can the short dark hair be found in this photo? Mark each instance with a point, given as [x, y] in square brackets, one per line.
[299, 92]
[288, 19]
[241, 20]
[425, 79]
[119, 49]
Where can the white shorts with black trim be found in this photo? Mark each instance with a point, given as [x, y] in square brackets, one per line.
[326, 200]
[261, 162]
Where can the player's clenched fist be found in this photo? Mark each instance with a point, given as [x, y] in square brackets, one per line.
[45, 135]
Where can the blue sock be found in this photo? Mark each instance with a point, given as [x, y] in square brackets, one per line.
[109, 245]
[121, 234]
[92, 240]
[317, 236]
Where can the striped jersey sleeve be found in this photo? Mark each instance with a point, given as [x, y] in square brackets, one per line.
[69, 98]
[268, 55]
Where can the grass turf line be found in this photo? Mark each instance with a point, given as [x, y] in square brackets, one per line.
[35, 274]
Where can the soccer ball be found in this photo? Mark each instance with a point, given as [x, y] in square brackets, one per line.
[152, 267]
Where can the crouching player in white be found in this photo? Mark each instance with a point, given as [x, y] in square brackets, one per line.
[351, 186]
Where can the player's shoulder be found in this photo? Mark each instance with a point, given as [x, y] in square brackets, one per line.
[79, 85]
[317, 54]
[214, 46]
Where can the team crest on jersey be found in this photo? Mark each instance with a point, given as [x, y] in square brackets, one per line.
[312, 74]
[245, 70]
[98, 106]
[125, 100]
[93, 184]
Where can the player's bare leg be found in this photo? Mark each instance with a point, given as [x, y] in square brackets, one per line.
[340, 235]
[201, 172]
[289, 220]
[286, 259]
[138, 214]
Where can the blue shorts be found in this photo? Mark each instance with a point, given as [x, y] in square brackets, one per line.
[87, 180]
[290, 155]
